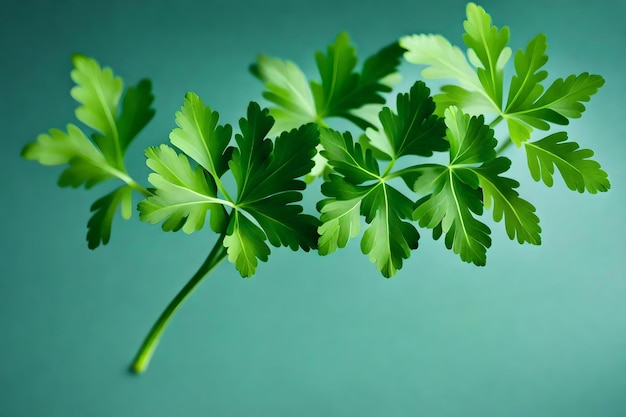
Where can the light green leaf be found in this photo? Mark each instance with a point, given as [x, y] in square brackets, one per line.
[499, 193]
[245, 243]
[340, 213]
[579, 172]
[286, 86]
[443, 60]
[199, 136]
[87, 165]
[98, 90]
[182, 195]
[91, 161]
[489, 45]
[472, 102]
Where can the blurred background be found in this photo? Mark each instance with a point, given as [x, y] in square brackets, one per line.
[540, 331]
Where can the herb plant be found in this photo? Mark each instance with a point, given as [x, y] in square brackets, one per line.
[385, 170]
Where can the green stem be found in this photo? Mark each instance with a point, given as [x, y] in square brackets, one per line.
[495, 121]
[415, 168]
[504, 146]
[136, 186]
[142, 359]
[389, 168]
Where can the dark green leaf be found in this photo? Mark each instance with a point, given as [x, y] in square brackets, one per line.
[471, 141]
[388, 239]
[348, 158]
[136, 112]
[452, 207]
[414, 130]
[99, 225]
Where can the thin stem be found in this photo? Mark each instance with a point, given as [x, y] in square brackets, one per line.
[142, 359]
[495, 121]
[123, 175]
[389, 168]
[222, 189]
[411, 169]
[504, 146]
[136, 186]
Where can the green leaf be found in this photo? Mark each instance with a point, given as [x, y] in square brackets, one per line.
[527, 107]
[253, 150]
[414, 130]
[499, 193]
[526, 83]
[104, 209]
[277, 185]
[451, 207]
[99, 92]
[92, 161]
[342, 92]
[267, 177]
[579, 172]
[356, 164]
[199, 136]
[471, 141]
[284, 223]
[246, 245]
[378, 75]
[488, 45]
[340, 214]
[472, 102]
[136, 112]
[566, 96]
[266, 174]
[343, 89]
[288, 158]
[182, 195]
[287, 86]
[87, 165]
[388, 240]
[443, 60]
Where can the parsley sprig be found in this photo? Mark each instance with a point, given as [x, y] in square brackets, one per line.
[383, 177]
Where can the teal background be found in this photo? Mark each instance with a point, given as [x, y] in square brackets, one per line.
[540, 331]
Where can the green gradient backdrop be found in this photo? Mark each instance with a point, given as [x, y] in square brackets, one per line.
[540, 331]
